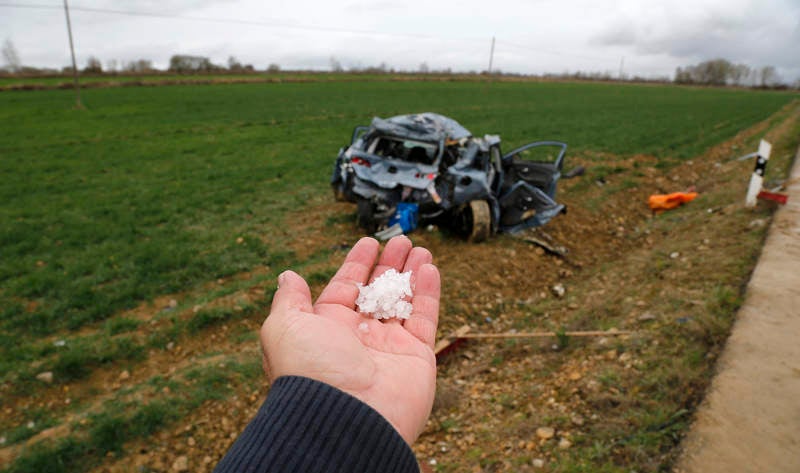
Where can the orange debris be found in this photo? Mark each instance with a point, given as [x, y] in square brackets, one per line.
[661, 202]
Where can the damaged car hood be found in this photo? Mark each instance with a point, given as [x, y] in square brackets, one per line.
[422, 126]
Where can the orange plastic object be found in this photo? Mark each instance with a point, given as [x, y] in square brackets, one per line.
[661, 202]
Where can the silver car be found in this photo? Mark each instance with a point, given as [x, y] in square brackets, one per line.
[410, 170]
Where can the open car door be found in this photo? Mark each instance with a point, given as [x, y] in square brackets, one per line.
[530, 176]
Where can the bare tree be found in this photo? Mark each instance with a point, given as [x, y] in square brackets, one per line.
[722, 71]
[768, 76]
[93, 66]
[182, 63]
[234, 64]
[682, 76]
[11, 57]
[336, 66]
[739, 74]
[423, 68]
[273, 67]
[713, 72]
[112, 65]
[139, 66]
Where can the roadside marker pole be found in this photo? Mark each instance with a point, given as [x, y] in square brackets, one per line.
[757, 179]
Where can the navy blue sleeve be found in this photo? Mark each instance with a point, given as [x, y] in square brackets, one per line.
[309, 426]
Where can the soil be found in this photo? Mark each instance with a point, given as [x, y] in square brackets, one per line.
[750, 417]
[625, 269]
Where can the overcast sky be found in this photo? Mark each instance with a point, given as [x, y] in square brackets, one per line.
[533, 36]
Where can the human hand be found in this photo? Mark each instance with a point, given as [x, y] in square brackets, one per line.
[390, 366]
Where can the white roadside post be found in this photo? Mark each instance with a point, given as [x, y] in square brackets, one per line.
[757, 179]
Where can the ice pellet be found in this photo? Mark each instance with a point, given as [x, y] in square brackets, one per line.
[387, 296]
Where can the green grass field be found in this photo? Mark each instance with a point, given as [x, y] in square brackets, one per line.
[156, 190]
[146, 192]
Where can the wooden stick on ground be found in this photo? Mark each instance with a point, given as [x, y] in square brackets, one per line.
[462, 333]
[445, 343]
[588, 333]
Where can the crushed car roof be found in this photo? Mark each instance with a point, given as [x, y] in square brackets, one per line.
[427, 126]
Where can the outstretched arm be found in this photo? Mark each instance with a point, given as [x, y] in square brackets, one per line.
[390, 366]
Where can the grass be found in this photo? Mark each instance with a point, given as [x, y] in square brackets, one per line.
[108, 430]
[38, 419]
[119, 325]
[147, 192]
[155, 191]
[644, 405]
[92, 80]
[209, 317]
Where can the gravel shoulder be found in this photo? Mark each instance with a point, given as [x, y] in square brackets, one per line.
[750, 418]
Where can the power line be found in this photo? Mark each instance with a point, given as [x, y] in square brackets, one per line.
[555, 53]
[273, 23]
[282, 24]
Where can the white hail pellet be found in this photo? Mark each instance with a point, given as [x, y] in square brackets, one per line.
[386, 296]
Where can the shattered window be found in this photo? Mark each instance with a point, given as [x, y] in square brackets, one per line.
[404, 150]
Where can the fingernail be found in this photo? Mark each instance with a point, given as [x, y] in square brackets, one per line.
[281, 279]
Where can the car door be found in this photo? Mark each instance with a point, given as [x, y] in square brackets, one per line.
[538, 163]
[530, 175]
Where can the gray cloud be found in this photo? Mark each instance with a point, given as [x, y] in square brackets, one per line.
[621, 34]
[532, 37]
[372, 7]
[751, 32]
[159, 6]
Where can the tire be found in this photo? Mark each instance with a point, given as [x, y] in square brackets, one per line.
[366, 216]
[338, 194]
[478, 221]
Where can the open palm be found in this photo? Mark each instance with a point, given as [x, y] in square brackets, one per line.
[388, 365]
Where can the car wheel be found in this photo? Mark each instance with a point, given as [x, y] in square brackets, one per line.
[366, 215]
[338, 194]
[478, 220]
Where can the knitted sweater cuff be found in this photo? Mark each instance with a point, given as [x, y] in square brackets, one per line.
[309, 426]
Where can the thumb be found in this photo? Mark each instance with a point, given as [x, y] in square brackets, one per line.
[292, 293]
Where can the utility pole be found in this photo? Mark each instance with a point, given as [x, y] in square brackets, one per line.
[78, 103]
[491, 57]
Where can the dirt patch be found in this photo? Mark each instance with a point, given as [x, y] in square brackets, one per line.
[750, 414]
[673, 280]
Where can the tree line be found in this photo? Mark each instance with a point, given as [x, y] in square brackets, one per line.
[723, 72]
[716, 72]
[178, 63]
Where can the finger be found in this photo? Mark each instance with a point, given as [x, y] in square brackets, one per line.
[393, 256]
[357, 266]
[416, 258]
[425, 305]
[292, 293]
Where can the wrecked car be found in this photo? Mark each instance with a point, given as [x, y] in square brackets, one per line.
[424, 168]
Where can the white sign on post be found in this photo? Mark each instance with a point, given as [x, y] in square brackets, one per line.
[757, 179]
